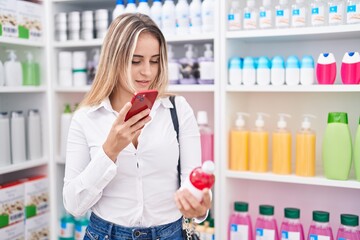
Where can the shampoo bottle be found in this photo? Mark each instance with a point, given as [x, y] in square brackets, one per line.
[195, 17]
[173, 67]
[34, 134]
[5, 149]
[281, 149]
[349, 228]
[207, 67]
[235, 71]
[64, 129]
[357, 153]
[305, 149]
[277, 71]
[320, 227]
[326, 68]
[182, 17]
[156, 12]
[350, 68]
[189, 71]
[265, 225]
[239, 145]
[307, 71]
[18, 139]
[206, 137]
[259, 146]
[240, 226]
[291, 227]
[263, 72]
[337, 148]
[13, 70]
[30, 71]
[119, 9]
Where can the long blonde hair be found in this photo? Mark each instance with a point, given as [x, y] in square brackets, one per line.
[116, 57]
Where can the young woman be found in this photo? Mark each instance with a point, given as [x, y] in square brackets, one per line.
[126, 172]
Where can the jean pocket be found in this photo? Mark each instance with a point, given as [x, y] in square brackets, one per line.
[90, 235]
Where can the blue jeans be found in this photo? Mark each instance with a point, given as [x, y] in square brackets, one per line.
[99, 229]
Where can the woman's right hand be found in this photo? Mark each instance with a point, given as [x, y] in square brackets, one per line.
[122, 133]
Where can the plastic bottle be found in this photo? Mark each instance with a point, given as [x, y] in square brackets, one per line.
[357, 153]
[240, 226]
[65, 69]
[336, 12]
[74, 25]
[263, 71]
[250, 16]
[101, 20]
[277, 71]
[79, 68]
[265, 225]
[210, 230]
[30, 71]
[13, 70]
[156, 12]
[208, 16]
[34, 135]
[206, 137]
[349, 228]
[326, 68]
[18, 139]
[350, 68]
[292, 71]
[64, 126]
[200, 178]
[337, 148]
[119, 9]
[320, 227]
[291, 227]
[143, 7]
[266, 17]
[195, 17]
[305, 149]
[235, 71]
[67, 227]
[207, 66]
[352, 11]
[87, 25]
[281, 148]
[299, 14]
[282, 14]
[189, 71]
[249, 71]
[318, 15]
[182, 17]
[239, 144]
[168, 18]
[130, 7]
[2, 74]
[307, 71]
[80, 227]
[259, 146]
[234, 16]
[5, 149]
[173, 67]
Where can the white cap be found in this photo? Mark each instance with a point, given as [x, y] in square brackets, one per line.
[260, 119]
[283, 2]
[29, 56]
[12, 56]
[250, 3]
[235, 4]
[208, 52]
[282, 123]
[240, 121]
[190, 50]
[208, 167]
[202, 117]
[306, 124]
[267, 3]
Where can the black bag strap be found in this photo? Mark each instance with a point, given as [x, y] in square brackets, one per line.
[175, 121]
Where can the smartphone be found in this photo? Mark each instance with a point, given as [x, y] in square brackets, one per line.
[141, 101]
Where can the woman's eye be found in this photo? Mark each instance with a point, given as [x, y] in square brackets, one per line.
[154, 61]
[135, 62]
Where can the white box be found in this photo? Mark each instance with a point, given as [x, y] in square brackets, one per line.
[13, 232]
[11, 203]
[8, 18]
[38, 227]
[36, 194]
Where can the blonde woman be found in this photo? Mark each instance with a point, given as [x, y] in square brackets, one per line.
[126, 172]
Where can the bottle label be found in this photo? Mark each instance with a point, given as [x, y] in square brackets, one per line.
[335, 14]
[290, 235]
[282, 18]
[353, 13]
[298, 17]
[239, 232]
[318, 237]
[234, 21]
[67, 229]
[317, 16]
[265, 234]
[249, 20]
[265, 19]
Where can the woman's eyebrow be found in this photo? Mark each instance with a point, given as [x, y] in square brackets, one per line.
[141, 56]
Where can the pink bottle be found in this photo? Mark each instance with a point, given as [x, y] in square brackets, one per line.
[326, 69]
[206, 137]
[350, 68]
[320, 227]
[265, 226]
[291, 228]
[240, 226]
[349, 228]
[200, 178]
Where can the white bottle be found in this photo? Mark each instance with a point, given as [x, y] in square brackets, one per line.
[352, 11]
[292, 71]
[249, 71]
[173, 67]
[282, 14]
[277, 71]
[263, 74]
[143, 7]
[13, 70]
[250, 15]
[65, 69]
[235, 71]
[74, 25]
[234, 16]
[207, 66]
[189, 71]
[64, 129]
[266, 18]
[101, 22]
[87, 25]
[34, 143]
[168, 18]
[336, 12]
[208, 16]
[130, 7]
[79, 61]
[307, 71]
[318, 16]
[299, 14]
[18, 140]
[156, 11]
[2, 74]
[195, 17]
[5, 149]
[119, 9]
[182, 17]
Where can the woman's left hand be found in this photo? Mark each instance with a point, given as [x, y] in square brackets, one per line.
[189, 206]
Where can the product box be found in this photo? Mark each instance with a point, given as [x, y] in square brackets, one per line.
[36, 194]
[15, 231]
[8, 18]
[38, 227]
[11, 203]
[30, 20]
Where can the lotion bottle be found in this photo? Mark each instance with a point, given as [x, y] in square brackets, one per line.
[5, 149]
[277, 71]
[173, 67]
[13, 70]
[18, 139]
[34, 134]
[207, 66]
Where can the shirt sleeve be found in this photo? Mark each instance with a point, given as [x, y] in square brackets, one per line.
[85, 177]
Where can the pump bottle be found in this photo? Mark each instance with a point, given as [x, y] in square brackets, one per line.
[259, 146]
[281, 150]
[200, 178]
[206, 137]
[34, 134]
[5, 149]
[30, 71]
[206, 65]
[239, 144]
[173, 67]
[357, 153]
[119, 9]
[305, 149]
[189, 71]
[13, 70]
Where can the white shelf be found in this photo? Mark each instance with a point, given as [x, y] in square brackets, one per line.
[23, 89]
[298, 88]
[270, 177]
[22, 166]
[72, 89]
[79, 43]
[202, 37]
[191, 88]
[21, 42]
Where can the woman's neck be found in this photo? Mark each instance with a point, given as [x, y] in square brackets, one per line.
[118, 98]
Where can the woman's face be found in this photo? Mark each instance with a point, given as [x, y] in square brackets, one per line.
[145, 62]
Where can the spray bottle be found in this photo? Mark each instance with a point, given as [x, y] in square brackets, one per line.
[173, 67]
[239, 144]
[13, 70]
[189, 71]
[206, 64]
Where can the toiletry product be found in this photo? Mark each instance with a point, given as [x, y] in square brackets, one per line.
[250, 15]
[189, 71]
[265, 225]
[18, 139]
[65, 77]
[249, 71]
[277, 71]
[168, 18]
[87, 25]
[67, 227]
[318, 14]
[291, 227]
[5, 149]
[263, 71]
[130, 6]
[336, 12]
[13, 70]
[350, 68]
[292, 71]
[259, 146]
[2, 74]
[156, 12]
[235, 71]
[206, 137]
[234, 16]
[173, 67]
[266, 17]
[208, 16]
[282, 14]
[307, 71]
[182, 12]
[326, 68]
[352, 11]
[357, 152]
[119, 9]
[207, 66]
[195, 17]
[299, 14]
[320, 227]
[74, 25]
[240, 226]
[64, 129]
[349, 228]
[30, 71]
[143, 7]
[34, 135]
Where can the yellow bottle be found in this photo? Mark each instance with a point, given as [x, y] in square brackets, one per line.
[305, 149]
[239, 145]
[281, 150]
[259, 146]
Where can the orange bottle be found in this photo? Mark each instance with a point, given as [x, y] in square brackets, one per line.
[259, 146]
[239, 145]
[305, 149]
[281, 151]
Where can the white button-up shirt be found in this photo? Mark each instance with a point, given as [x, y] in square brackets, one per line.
[138, 189]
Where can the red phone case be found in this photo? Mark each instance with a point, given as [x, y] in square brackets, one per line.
[141, 101]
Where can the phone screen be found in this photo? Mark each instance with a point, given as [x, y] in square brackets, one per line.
[141, 101]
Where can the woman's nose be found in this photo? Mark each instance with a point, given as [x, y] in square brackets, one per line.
[146, 69]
